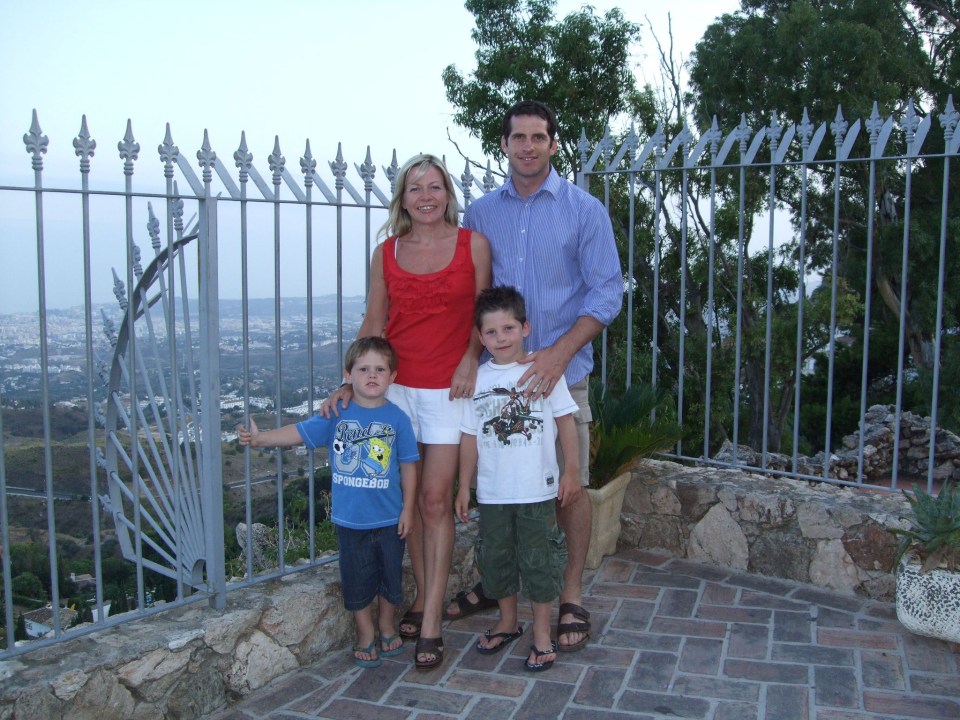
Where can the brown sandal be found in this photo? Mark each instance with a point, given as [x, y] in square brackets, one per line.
[411, 617]
[582, 626]
[466, 607]
[429, 646]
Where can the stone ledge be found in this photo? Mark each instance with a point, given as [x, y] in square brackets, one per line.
[816, 533]
[192, 661]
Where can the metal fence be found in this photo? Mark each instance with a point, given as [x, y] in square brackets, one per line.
[228, 318]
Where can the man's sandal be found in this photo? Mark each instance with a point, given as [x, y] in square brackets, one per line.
[538, 653]
[413, 618]
[468, 608]
[582, 626]
[429, 646]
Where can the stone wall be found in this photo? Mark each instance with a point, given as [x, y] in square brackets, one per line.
[825, 535]
[192, 661]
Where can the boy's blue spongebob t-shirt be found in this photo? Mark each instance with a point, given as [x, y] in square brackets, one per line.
[366, 447]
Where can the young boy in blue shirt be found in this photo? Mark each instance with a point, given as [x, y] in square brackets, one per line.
[510, 440]
[373, 456]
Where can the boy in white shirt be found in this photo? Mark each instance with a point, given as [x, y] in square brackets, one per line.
[511, 441]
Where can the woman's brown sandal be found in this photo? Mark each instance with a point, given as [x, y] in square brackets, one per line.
[413, 618]
[429, 646]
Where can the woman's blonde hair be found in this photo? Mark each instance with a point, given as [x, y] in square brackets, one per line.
[398, 219]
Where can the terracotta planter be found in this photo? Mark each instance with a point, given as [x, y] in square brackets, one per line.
[929, 603]
[605, 506]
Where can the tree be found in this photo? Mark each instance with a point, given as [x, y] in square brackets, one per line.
[579, 66]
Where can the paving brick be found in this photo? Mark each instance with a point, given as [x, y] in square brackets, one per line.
[373, 683]
[812, 654]
[698, 570]
[591, 714]
[882, 670]
[632, 592]
[486, 708]
[762, 584]
[766, 671]
[643, 641]
[827, 599]
[786, 702]
[660, 705]
[736, 711]
[855, 639]
[634, 616]
[734, 614]
[546, 701]
[647, 558]
[928, 654]
[827, 617]
[653, 671]
[284, 692]
[599, 687]
[716, 594]
[356, 710]
[667, 579]
[597, 655]
[678, 603]
[618, 571]
[836, 687]
[311, 703]
[485, 683]
[701, 655]
[720, 688]
[792, 627]
[418, 698]
[748, 641]
[843, 715]
[913, 706]
[749, 598]
[946, 685]
[693, 628]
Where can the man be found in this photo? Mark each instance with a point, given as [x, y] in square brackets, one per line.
[554, 243]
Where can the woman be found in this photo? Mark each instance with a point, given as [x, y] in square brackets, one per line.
[423, 282]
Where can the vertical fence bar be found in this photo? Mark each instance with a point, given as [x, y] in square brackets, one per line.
[84, 146]
[773, 134]
[277, 163]
[806, 131]
[743, 135]
[309, 168]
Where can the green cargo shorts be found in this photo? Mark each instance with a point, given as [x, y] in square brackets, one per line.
[521, 543]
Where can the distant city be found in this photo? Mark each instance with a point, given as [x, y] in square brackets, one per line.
[20, 362]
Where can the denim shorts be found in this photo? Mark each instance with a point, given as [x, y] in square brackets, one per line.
[371, 564]
[521, 543]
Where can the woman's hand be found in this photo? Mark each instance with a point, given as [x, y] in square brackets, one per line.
[464, 378]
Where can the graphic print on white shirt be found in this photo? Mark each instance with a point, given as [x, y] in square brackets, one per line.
[508, 418]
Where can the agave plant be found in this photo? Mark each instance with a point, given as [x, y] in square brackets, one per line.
[934, 532]
[627, 426]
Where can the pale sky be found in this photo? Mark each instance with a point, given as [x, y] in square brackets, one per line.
[360, 72]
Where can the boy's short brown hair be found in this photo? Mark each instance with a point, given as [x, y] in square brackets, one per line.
[371, 343]
[501, 297]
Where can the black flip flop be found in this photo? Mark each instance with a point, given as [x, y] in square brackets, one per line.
[538, 653]
[505, 638]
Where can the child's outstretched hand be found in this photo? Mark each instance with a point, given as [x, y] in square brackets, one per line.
[246, 435]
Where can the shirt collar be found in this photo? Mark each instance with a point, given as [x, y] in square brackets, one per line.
[553, 185]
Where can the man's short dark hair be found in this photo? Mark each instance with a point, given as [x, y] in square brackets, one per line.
[531, 107]
[371, 343]
[502, 297]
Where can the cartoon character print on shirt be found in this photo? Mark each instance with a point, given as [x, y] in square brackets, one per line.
[510, 418]
[367, 450]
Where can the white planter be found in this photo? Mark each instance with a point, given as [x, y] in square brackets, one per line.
[929, 603]
[605, 506]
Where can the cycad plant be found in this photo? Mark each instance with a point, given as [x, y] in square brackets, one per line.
[627, 425]
[934, 532]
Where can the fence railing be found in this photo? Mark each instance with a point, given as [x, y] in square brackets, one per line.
[257, 276]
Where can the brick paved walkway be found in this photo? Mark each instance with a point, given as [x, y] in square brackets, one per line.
[672, 638]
